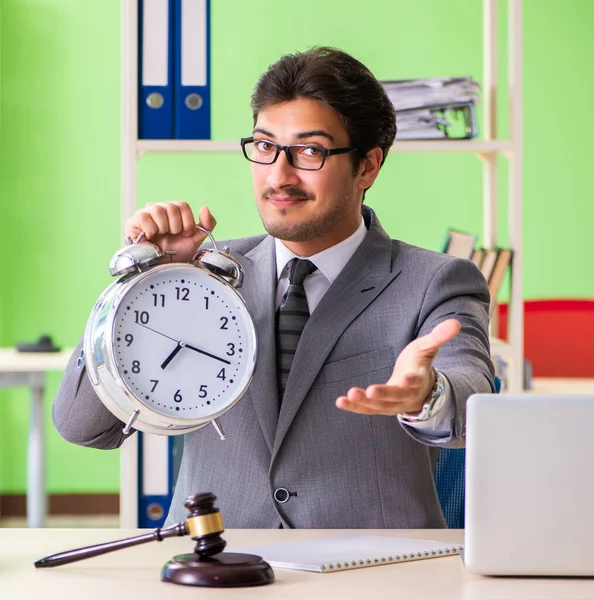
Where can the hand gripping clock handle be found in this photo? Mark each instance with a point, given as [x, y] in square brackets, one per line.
[129, 241]
[70, 556]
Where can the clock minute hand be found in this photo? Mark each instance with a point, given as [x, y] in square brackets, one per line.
[208, 354]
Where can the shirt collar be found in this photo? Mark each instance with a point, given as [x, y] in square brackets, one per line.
[330, 262]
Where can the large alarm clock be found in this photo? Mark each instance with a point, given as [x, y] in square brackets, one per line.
[170, 347]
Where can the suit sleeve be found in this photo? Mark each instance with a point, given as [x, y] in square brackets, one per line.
[79, 415]
[459, 290]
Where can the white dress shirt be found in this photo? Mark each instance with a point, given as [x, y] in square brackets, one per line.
[330, 263]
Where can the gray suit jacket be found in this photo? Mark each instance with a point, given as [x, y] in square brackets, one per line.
[343, 470]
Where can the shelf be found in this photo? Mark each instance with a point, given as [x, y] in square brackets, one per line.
[473, 146]
[186, 146]
[500, 347]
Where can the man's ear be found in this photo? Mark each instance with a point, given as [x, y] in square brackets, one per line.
[369, 167]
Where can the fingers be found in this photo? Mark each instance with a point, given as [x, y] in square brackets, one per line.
[206, 219]
[164, 218]
[428, 345]
[172, 227]
[387, 400]
[168, 218]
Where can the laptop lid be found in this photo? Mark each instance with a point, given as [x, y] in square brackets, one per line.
[529, 506]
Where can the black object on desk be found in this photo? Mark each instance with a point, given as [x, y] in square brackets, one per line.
[207, 566]
[44, 344]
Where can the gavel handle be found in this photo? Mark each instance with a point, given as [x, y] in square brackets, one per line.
[62, 558]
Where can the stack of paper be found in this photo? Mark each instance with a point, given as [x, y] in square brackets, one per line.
[434, 108]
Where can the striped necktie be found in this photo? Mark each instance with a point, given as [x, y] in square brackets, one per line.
[291, 318]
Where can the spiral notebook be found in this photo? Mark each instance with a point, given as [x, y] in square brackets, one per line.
[325, 555]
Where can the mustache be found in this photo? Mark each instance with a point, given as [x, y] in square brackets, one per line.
[293, 192]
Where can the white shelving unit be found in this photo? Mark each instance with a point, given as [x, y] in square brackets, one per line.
[487, 149]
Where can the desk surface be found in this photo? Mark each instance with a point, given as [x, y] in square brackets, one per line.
[105, 578]
[13, 361]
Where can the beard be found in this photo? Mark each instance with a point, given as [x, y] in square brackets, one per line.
[314, 226]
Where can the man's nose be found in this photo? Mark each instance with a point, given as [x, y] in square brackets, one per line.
[282, 173]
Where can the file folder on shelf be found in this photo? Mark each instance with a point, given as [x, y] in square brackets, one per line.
[192, 69]
[157, 470]
[155, 69]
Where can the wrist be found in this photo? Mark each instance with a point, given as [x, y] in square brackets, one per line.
[433, 403]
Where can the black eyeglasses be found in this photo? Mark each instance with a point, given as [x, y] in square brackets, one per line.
[300, 156]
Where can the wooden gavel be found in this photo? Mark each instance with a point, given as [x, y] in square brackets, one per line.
[207, 566]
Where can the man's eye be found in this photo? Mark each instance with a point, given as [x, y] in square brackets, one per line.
[263, 146]
[312, 151]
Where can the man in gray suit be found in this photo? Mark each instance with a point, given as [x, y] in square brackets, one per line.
[396, 340]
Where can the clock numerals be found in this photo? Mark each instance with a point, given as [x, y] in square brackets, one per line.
[182, 359]
[159, 300]
[141, 317]
[182, 294]
[177, 397]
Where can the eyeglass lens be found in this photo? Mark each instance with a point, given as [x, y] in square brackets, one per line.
[302, 157]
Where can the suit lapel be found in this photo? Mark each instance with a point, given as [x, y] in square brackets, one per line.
[365, 276]
[258, 290]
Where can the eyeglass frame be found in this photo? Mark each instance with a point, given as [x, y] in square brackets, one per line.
[325, 152]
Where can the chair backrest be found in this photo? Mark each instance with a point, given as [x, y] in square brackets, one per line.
[557, 336]
[450, 474]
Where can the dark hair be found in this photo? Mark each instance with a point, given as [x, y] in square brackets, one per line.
[338, 80]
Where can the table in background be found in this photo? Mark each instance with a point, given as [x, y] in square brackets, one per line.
[28, 369]
[559, 385]
[135, 572]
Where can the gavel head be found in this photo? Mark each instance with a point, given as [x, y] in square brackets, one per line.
[204, 524]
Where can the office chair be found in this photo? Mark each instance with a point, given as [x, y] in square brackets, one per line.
[450, 472]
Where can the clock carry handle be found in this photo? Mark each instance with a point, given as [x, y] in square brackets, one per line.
[136, 256]
[130, 241]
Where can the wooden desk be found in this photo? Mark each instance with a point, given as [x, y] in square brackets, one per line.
[135, 572]
[28, 369]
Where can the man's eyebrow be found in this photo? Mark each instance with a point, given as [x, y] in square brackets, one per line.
[313, 133]
[303, 135]
[264, 132]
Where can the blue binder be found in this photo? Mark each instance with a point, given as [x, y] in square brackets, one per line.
[155, 69]
[155, 479]
[192, 69]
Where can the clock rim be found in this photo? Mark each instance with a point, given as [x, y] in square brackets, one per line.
[108, 380]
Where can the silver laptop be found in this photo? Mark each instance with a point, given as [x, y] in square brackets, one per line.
[530, 485]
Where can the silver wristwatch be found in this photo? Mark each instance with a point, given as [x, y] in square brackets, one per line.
[434, 401]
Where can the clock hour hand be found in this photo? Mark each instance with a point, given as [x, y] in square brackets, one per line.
[208, 354]
[179, 346]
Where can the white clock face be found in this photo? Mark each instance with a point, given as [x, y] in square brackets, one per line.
[183, 342]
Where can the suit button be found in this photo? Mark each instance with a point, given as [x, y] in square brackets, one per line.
[281, 495]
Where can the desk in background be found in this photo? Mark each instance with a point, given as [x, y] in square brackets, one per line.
[135, 572]
[557, 385]
[18, 369]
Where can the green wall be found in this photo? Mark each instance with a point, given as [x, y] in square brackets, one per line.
[59, 145]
